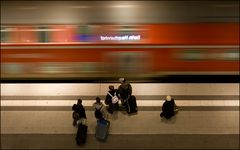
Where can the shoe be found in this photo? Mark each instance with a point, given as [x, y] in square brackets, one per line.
[161, 115]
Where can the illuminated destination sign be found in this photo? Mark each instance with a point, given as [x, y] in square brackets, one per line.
[121, 38]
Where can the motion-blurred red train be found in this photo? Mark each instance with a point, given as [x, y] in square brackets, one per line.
[141, 39]
[97, 50]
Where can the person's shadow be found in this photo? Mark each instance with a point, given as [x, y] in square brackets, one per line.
[171, 120]
[114, 115]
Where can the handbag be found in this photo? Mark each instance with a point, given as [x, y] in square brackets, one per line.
[82, 121]
[175, 108]
[114, 98]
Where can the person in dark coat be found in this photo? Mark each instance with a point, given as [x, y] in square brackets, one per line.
[168, 108]
[124, 90]
[79, 109]
[108, 101]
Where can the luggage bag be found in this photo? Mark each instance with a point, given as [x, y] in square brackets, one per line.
[132, 105]
[81, 134]
[102, 129]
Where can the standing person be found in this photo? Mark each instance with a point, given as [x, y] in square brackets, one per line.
[169, 108]
[80, 121]
[78, 112]
[100, 110]
[124, 90]
[112, 106]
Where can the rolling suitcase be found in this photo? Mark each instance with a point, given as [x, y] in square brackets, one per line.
[132, 105]
[102, 129]
[81, 134]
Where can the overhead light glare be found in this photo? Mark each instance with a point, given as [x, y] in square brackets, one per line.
[79, 7]
[29, 8]
[123, 6]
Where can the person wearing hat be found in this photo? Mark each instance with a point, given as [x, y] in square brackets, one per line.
[168, 107]
[124, 90]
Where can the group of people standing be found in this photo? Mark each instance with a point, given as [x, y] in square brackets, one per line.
[114, 96]
[112, 100]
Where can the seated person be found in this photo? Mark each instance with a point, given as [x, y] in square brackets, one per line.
[168, 108]
[108, 101]
[124, 91]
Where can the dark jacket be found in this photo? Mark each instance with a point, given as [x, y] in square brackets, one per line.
[168, 108]
[80, 110]
[125, 90]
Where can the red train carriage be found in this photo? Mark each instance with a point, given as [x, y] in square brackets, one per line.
[73, 51]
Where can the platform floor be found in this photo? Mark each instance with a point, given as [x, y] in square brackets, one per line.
[208, 117]
[145, 130]
[122, 141]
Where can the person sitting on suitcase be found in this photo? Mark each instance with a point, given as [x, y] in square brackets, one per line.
[169, 108]
[124, 90]
[110, 99]
[78, 111]
[100, 110]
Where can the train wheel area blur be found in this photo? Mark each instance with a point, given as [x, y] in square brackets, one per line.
[132, 79]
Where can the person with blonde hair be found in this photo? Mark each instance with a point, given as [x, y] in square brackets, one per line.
[168, 108]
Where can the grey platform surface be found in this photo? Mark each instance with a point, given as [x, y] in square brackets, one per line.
[126, 141]
[145, 130]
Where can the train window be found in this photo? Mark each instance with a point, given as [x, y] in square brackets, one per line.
[43, 34]
[5, 35]
[12, 68]
[89, 33]
[232, 55]
[130, 29]
[192, 55]
[209, 55]
[84, 30]
[125, 30]
[68, 68]
[227, 55]
[84, 33]
[129, 62]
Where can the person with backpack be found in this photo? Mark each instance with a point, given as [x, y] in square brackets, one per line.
[125, 91]
[102, 127]
[112, 99]
[78, 112]
[100, 110]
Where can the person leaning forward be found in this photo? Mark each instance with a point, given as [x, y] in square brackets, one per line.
[108, 101]
[169, 108]
[124, 90]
